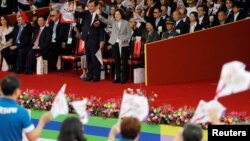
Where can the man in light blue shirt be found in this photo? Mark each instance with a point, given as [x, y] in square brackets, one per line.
[14, 118]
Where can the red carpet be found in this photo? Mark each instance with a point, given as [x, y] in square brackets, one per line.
[177, 95]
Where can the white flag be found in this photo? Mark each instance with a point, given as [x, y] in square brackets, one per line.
[60, 105]
[80, 108]
[127, 4]
[141, 5]
[180, 4]
[201, 114]
[134, 106]
[234, 78]
[67, 11]
[98, 55]
[216, 8]
[138, 18]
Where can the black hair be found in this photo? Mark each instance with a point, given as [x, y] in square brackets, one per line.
[192, 132]
[121, 12]
[7, 19]
[94, 1]
[9, 84]
[71, 130]
[195, 14]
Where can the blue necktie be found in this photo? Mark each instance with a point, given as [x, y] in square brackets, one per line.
[18, 35]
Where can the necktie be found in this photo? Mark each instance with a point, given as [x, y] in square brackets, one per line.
[148, 12]
[91, 18]
[38, 37]
[19, 34]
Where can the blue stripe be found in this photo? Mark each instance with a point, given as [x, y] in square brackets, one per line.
[98, 131]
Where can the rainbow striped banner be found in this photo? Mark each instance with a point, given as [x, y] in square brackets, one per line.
[98, 128]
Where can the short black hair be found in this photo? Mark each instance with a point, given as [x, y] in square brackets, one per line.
[94, 1]
[192, 132]
[9, 84]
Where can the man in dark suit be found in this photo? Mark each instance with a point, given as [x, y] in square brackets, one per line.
[8, 7]
[93, 36]
[222, 18]
[237, 13]
[136, 32]
[58, 33]
[203, 19]
[15, 54]
[180, 26]
[159, 22]
[184, 15]
[149, 12]
[39, 45]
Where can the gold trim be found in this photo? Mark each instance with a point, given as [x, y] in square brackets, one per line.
[146, 72]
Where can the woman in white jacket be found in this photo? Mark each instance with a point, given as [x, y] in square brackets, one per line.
[119, 39]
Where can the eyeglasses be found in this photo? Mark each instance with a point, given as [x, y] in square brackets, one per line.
[52, 15]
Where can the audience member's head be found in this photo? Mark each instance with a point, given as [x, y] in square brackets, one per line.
[4, 21]
[10, 86]
[164, 10]
[229, 4]
[201, 11]
[150, 26]
[183, 12]
[170, 24]
[157, 13]
[138, 11]
[118, 2]
[222, 16]
[176, 15]
[150, 2]
[71, 130]
[132, 23]
[112, 9]
[191, 3]
[130, 128]
[20, 21]
[55, 15]
[80, 8]
[92, 6]
[119, 14]
[41, 21]
[236, 7]
[192, 132]
[193, 16]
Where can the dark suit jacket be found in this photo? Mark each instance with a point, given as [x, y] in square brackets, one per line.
[151, 13]
[183, 27]
[44, 41]
[91, 33]
[162, 24]
[25, 36]
[198, 27]
[205, 23]
[240, 17]
[153, 37]
[11, 7]
[187, 21]
[60, 31]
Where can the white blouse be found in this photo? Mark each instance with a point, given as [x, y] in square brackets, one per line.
[192, 27]
[3, 33]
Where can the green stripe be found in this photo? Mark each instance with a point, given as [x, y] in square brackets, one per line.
[99, 122]
[95, 138]
[49, 134]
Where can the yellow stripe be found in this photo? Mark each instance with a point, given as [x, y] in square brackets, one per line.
[167, 130]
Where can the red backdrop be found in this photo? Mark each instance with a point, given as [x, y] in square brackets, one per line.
[197, 56]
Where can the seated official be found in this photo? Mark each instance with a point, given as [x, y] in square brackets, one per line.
[171, 32]
[39, 45]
